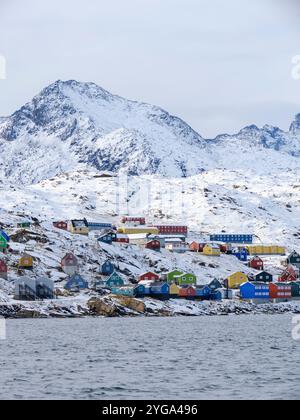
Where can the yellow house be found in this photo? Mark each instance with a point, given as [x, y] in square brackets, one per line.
[236, 279]
[212, 250]
[174, 289]
[79, 227]
[132, 230]
[26, 261]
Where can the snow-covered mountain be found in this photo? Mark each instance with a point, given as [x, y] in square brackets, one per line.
[72, 125]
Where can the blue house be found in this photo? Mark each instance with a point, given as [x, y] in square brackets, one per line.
[232, 239]
[203, 292]
[99, 226]
[128, 291]
[215, 284]
[161, 289]
[141, 290]
[4, 235]
[76, 282]
[108, 238]
[241, 254]
[216, 295]
[114, 280]
[250, 291]
[107, 268]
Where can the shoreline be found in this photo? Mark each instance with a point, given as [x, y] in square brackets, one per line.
[117, 306]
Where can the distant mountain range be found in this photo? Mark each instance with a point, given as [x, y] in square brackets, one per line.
[72, 125]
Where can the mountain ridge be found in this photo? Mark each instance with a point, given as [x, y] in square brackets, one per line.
[70, 125]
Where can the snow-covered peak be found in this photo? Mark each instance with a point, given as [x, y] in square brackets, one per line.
[71, 125]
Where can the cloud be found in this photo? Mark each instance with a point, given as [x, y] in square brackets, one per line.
[185, 55]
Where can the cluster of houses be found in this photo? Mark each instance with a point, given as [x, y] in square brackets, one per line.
[176, 284]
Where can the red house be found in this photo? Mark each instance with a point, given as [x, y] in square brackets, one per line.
[289, 275]
[69, 264]
[280, 291]
[121, 239]
[153, 245]
[172, 230]
[196, 247]
[187, 292]
[149, 277]
[256, 263]
[3, 270]
[61, 225]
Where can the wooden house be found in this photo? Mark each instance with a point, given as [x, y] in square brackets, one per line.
[107, 238]
[76, 283]
[26, 262]
[187, 292]
[143, 289]
[114, 280]
[177, 246]
[212, 250]
[280, 291]
[170, 276]
[216, 295]
[160, 289]
[289, 275]
[79, 227]
[241, 254]
[215, 285]
[133, 230]
[3, 270]
[107, 268]
[236, 279]
[149, 276]
[262, 277]
[4, 235]
[203, 292]
[196, 246]
[293, 259]
[99, 226]
[185, 279]
[172, 230]
[3, 243]
[128, 291]
[295, 288]
[232, 238]
[174, 290]
[122, 239]
[60, 225]
[154, 245]
[24, 225]
[256, 263]
[70, 264]
[255, 291]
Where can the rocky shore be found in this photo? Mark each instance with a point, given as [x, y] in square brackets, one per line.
[118, 306]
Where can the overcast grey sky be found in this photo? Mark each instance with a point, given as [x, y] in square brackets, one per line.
[219, 65]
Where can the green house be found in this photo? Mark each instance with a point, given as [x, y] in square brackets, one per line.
[24, 225]
[186, 279]
[295, 289]
[172, 274]
[3, 243]
[114, 281]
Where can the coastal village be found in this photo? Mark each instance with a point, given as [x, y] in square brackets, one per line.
[255, 283]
